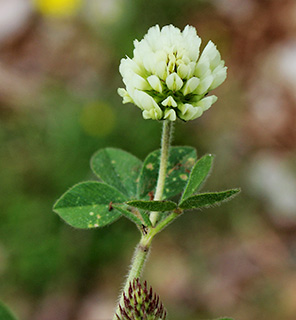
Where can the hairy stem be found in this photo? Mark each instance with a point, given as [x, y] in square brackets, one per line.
[138, 261]
[142, 250]
[164, 155]
[141, 254]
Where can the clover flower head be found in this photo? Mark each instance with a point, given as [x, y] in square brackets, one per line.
[140, 303]
[167, 78]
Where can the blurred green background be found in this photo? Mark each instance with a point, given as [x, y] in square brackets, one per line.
[58, 105]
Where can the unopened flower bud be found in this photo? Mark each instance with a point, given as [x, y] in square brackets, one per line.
[140, 303]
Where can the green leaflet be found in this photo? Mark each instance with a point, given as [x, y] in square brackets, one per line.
[207, 199]
[117, 168]
[5, 313]
[180, 162]
[198, 175]
[153, 205]
[129, 215]
[89, 205]
[146, 217]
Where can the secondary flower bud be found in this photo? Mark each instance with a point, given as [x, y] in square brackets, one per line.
[167, 78]
[140, 303]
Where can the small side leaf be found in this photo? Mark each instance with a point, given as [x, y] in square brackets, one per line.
[153, 205]
[117, 168]
[89, 205]
[128, 214]
[208, 199]
[5, 313]
[198, 175]
[180, 162]
[146, 217]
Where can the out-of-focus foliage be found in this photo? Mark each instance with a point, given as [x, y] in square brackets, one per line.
[58, 105]
[5, 313]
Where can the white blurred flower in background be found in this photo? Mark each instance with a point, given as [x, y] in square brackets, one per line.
[285, 64]
[273, 179]
[100, 12]
[14, 16]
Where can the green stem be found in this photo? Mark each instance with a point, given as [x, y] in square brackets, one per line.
[164, 155]
[138, 261]
[142, 250]
[161, 225]
[141, 254]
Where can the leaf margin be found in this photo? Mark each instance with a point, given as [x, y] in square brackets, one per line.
[187, 193]
[185, 205]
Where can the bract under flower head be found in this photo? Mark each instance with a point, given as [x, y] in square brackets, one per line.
[167, 78]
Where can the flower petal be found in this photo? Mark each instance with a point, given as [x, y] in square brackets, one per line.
[204, 85]
[188, 112]
[210, 52]
[192, 41]
[219, 75]
[170, 114]
[169, 102]
[202, 68]
[174, 82]
[155, 83]
[190, 85]
[126, 97]
[152, 114]
[144, 101]
[206, 102]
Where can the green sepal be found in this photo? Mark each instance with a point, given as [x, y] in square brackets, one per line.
[198, 175]
[128, 214]
[89, 205]
[207, 199]
[117, 168]
[5, 313]
[160, 206]
[180, 162]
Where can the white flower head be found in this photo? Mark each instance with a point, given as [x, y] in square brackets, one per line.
[168, 78]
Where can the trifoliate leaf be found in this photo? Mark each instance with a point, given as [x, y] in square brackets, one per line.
[180, 162]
